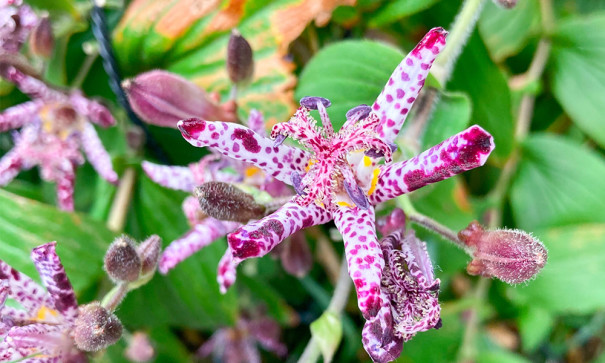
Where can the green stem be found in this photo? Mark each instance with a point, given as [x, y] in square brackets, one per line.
[337, 304]
[91, 56]
[113, 298]
[459, 34]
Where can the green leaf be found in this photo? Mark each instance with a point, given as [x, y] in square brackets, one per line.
[506, 32]
[500, 356]
[393, 11]
[478, 76]
[451, 115]
[558, 183]
[327, 331]
[577, 72]
[276, 306]
[572, 278]
[535, 324]
[348, 73]
[81, 241]
[188, 295]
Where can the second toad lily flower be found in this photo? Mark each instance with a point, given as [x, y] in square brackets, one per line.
[339, 176]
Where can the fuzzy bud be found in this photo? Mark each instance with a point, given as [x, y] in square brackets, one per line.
[507, 4]
[122, 262]
[149, 253]
[240, 64]
[139, 348]
[96, 328]
[162, 98]
[225, 202]
[41, 39]
[512, 256]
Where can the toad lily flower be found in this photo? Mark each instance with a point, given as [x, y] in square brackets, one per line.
[41, 330]
[54, 127]
[338, 177]
[205, 229]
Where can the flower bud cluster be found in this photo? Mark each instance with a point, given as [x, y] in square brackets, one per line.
[127, 262]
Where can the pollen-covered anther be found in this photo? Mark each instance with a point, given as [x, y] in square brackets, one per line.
[226, 202]
[122, 262]
[512, 256]
[96, 328]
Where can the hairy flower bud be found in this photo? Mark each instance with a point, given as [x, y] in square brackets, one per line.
[512, 256]
[41, 39]
[122, 262]
[225, 202]
[508, 4]
[162, 98]
[240, 64]
[96, 328]
[149, 253]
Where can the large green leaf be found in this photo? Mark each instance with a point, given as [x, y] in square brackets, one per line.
[577, 72]
[572, 280]
[558, 183]
[505, 32]
[81, 241]
[348, 73]
[188, 295]
[478, 76]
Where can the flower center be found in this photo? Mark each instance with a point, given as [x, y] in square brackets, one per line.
[342, 171]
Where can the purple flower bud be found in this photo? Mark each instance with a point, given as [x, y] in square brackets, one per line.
[240, 63]
[139, 348]
[225, 202]
[163, 98]
[41, 39]
[512, 256]
[310, 102]
[391, 223]
[507, 4]
[96, 328]
[149, 254]
[122, 262]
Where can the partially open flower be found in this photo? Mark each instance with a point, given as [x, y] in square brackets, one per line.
[162, 98]
[41, 328]
[512, 256]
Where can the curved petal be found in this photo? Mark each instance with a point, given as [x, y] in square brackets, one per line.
[241, 143]
[66, 180]
[172, 177]
[464, 151]
[34, 339]
[259, 238]
[379, 338]
[16, 116]
[202, 234]
[93, 110]
[97, 155]
[55, 280]
[364, 256]
[24, 290]
[10, 165]
[396, 99]
[33, 87]
[226, 271]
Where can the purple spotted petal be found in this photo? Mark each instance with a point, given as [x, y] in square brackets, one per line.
[43, 339]
[16, 116]
[464, 151]
[200, 236]
[4, 289]
[32, 87]
[93, 110]
[226, 273]
[66, 180]
[258, 238]
[10, 165]
[364, 256]
[8, 353]
[296, 183]
[379, 338]
[24, 290]
[256, 122]
[312, 102]
[357, 195]
[402, 88]
[173, 177]
[241, 143]
[96, 154]
[55, 280]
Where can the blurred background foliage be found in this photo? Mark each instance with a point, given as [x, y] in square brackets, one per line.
[345, 50]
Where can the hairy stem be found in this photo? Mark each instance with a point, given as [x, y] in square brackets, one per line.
[115, 296]
[337, 304]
